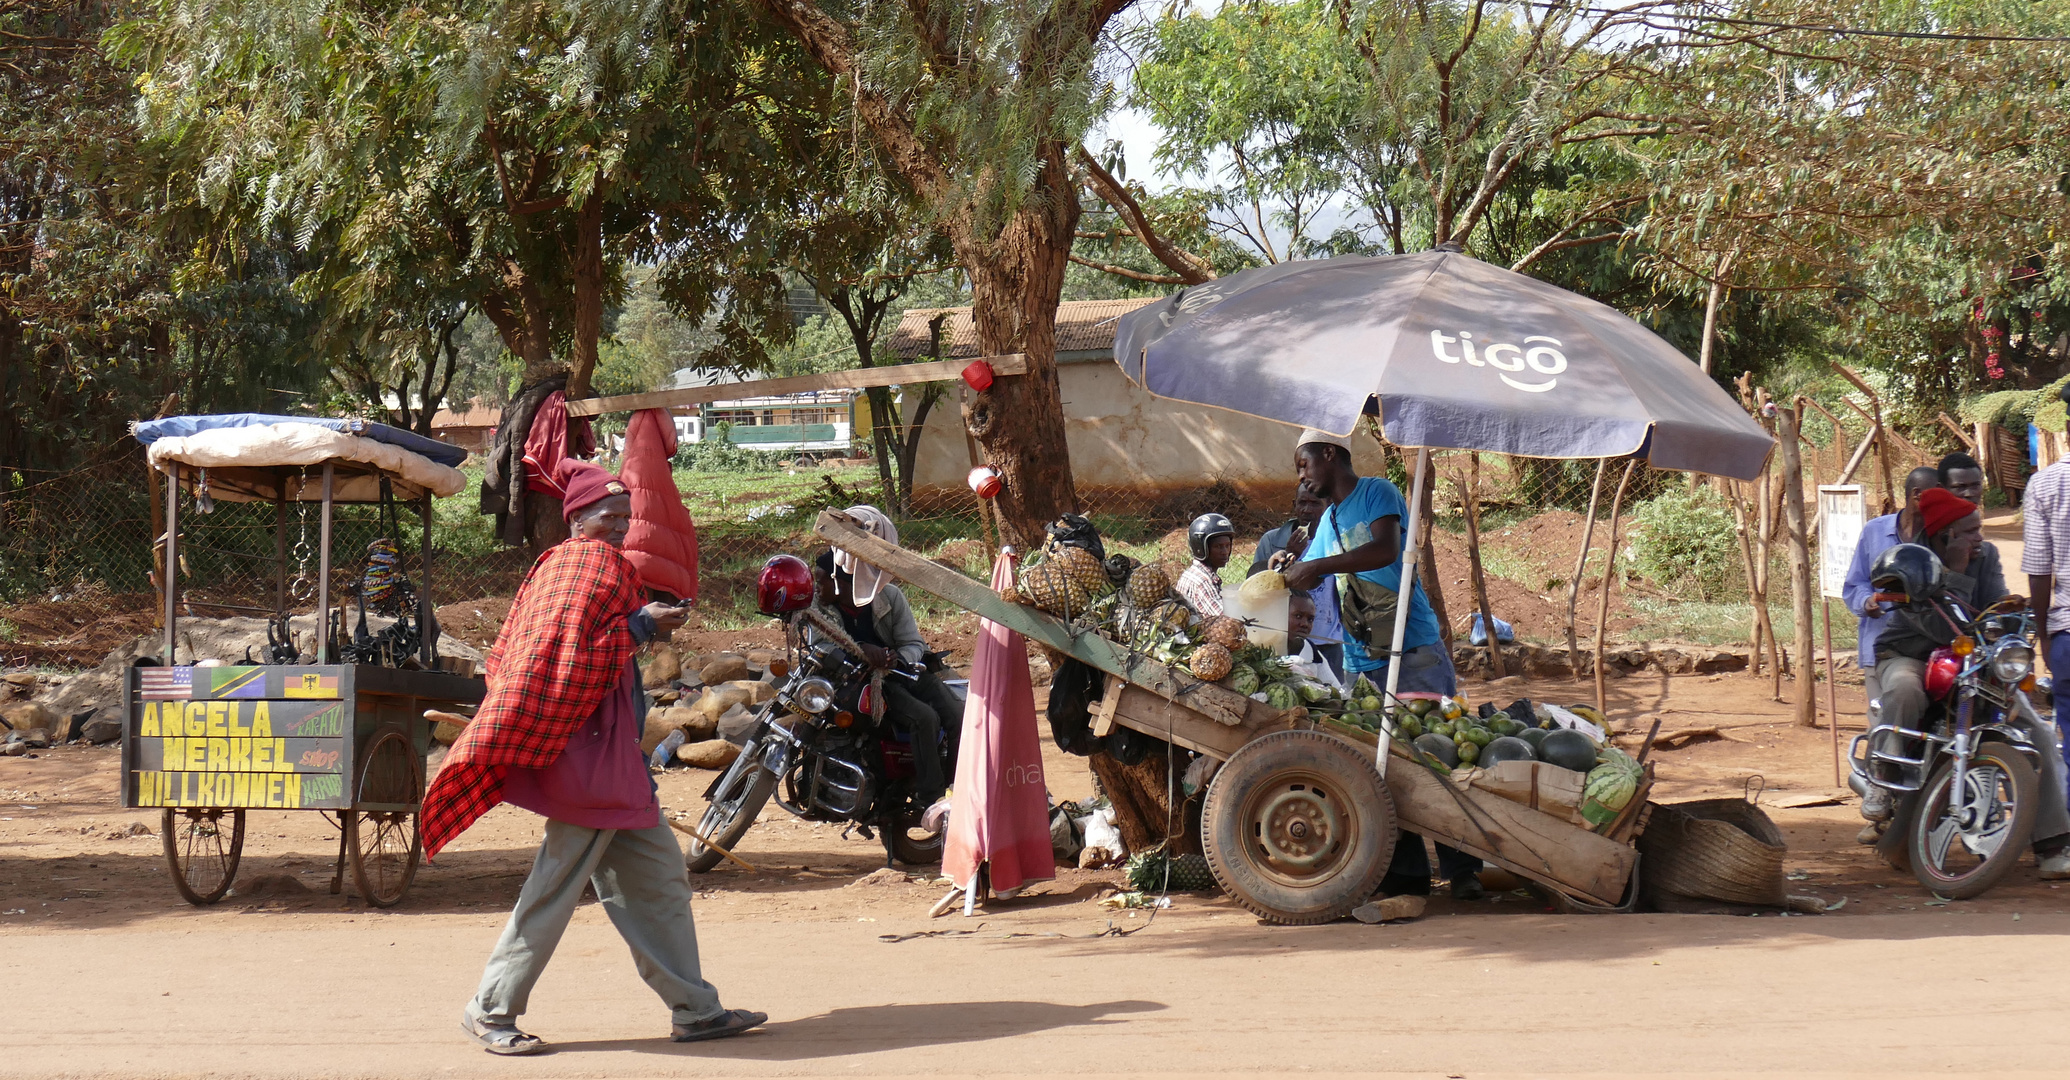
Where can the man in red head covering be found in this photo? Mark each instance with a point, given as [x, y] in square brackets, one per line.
[1953, 529]
[559, 734]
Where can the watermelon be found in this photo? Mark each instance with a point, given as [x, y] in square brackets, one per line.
[1568, 750]
[1243, 680]
[1439, 747]
[1610, 787]
[1281, 696]
[1534, 736]
[1507, 748]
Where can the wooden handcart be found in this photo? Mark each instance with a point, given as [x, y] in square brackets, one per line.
[207, 743]
[1298, 823]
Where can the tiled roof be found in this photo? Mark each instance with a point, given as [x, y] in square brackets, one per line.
[1082, 325]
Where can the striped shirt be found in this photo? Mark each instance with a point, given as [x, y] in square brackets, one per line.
[2047, 536]
[1201, 588]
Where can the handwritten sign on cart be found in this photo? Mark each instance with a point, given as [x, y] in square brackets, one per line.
[258, 737]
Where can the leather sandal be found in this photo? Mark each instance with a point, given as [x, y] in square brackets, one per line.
[502, 1039]
[730, 1022]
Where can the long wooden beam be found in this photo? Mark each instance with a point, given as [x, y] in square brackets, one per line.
[1222, 705]
[852, 379]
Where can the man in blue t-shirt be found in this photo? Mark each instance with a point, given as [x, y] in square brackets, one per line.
[1360, 536]
[1359, 539]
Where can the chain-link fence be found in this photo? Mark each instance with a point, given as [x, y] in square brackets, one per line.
[1686, 549]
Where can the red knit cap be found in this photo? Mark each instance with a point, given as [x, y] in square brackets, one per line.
[1940, 508]
[585, 485]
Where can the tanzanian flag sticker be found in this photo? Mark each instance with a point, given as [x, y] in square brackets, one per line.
[237, 682]
[309, 685]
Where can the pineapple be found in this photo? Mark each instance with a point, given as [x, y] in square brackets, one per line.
[1148, 586]
[1083, 573]
[1224, 631]
[1066, 580]
[1211, 662]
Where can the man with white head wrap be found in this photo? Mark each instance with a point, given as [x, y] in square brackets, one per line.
[879, 620]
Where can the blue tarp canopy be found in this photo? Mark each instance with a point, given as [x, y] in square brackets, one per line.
[150, 431]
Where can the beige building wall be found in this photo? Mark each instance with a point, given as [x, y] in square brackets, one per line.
[1122, 437]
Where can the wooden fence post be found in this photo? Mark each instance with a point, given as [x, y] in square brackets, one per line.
[1472, 506]
[1588, 533]
[1609, 579]
[1800, 566]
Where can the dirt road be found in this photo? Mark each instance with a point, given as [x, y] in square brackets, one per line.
[110, 975]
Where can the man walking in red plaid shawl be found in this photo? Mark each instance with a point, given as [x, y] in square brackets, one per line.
[559, 734]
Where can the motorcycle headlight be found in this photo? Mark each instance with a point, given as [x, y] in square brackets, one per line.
[814, 696]
[2011, 662]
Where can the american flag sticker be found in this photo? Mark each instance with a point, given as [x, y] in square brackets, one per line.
[160, 683]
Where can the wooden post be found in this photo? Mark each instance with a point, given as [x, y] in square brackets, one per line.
[157, 531]
[1746, 558]
[427, 621]
[171, 577]
[323, 570]
[1832, 693]
[280, 557]
[1427, 566]
[1472, 506]
[1800, 566]
[1588, 532]
[1609, 579]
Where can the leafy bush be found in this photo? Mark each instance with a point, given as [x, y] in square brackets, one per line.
[1684, 540]
[715, 453]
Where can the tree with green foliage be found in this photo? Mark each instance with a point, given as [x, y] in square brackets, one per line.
[517, 155]
[976, 107]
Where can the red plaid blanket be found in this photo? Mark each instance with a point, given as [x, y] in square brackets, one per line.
[562, 648]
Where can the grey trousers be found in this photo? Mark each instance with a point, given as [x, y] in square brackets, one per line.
[641, 880]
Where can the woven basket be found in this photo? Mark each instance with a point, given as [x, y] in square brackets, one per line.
[1715, 849]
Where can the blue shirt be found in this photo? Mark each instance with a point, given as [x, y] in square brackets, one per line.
[1878, 536]
[1347, 526]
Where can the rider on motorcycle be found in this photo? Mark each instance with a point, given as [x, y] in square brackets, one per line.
[1949, 569]
[914, 697]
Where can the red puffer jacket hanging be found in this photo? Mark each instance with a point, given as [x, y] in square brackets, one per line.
[662, 542]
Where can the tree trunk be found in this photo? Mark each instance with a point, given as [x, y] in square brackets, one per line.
[1427, 561]
[1800, 568]
[1016, 283]
[588, 270]
[1143, 813]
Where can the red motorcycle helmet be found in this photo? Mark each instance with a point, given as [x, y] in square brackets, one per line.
[1941, 672]
[784, 586]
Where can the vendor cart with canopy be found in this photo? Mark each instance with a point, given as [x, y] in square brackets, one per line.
[329, 720]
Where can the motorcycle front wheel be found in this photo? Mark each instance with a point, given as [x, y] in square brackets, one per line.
[1961, 851]
[736, 801]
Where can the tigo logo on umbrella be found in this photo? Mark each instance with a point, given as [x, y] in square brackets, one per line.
[1540, 354]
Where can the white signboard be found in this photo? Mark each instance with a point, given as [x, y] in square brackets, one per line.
[1841, 512]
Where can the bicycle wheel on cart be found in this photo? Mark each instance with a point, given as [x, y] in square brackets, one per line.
[201, 850]
[381, 841]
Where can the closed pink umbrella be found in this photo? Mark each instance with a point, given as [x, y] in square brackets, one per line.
[1000, 814]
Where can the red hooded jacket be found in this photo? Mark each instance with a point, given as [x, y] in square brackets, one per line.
[662, 542]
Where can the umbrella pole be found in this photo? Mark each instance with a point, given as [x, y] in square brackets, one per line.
[1411, 552]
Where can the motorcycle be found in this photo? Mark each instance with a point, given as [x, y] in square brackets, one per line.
[1967, 784]
[817, 742]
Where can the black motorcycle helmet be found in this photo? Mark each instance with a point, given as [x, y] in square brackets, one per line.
[1205, 528]
[1912, 569]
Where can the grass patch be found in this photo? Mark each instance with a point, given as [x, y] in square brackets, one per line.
[1730, 622]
